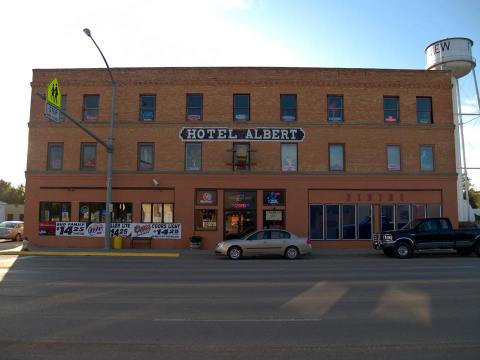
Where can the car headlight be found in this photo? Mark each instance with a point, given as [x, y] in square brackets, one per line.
[388, 237]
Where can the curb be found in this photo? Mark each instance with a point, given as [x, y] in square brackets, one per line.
[90, 253]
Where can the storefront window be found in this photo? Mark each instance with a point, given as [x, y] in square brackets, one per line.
[434, 210]
[92, 212]
[122, 212]
[364, 222]
[240, 212]
[388, 219]
[157, 213]
[55, 211]
[333, 222]
[316, 222]
[348, 222]
[418, 211]
[206, 197]
[403, 215]
[205, 219]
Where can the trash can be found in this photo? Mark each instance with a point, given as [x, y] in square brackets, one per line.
[117, 242]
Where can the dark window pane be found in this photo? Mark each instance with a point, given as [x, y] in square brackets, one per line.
[241, 101]
[241, 107]
[288, 107]
[335, 108]
[145, 157]
[122, 212]
[364, 222]
[205, 219]
[194, 107]
[348, 222]
[147, 108]
[55, 156]
[388, 221]
[403, 215]
[88, 156]
[390, 109]
[424, 104]
[333, 222]
[418, 211]
[316, 222]
[433, 210]
[90, 107]
[426, 158]
[92, 212]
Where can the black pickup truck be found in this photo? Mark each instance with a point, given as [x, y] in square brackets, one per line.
[427, 234]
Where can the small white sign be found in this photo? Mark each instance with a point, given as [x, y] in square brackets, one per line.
[52, 112]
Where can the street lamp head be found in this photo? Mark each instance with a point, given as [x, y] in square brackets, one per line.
[87, 32]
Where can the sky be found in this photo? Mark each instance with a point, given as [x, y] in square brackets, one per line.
[145, 33]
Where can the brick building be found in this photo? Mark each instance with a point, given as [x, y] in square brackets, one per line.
[332, 154]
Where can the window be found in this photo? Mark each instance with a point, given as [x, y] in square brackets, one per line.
[403, 215]
[205, 219]
[147, 107]
[348, 222]
[122, 212]
[335, 108]
[9, 217]
[241, 157]
[424, 110]
[332, 222]
[157, 212]
[55, 156]
[426, 157]
[364, 222]
[88, 156]
[55, 211]
[261, 235]
[418, 211]
[393, 157]
[194, 107]
[193, 156]
[336, 157]
[145, 156]
[92, 212]
[316, 222]
[288, 107]
[434, 210]
[390, 109]
[388, 218]
[273, 197]
[241, 107]
[90, 107]
[206, 197]
[289, 157]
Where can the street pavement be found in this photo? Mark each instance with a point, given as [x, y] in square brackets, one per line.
[334, 304]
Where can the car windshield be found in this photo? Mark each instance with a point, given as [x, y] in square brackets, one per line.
[412, 224]
[7, 225]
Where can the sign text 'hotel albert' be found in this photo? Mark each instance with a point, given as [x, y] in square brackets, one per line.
[247, 134]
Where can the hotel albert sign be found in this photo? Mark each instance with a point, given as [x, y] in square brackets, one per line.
[246, 134]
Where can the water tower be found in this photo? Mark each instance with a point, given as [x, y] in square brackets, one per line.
[455, 54]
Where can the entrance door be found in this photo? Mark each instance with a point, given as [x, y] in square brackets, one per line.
[239, 223]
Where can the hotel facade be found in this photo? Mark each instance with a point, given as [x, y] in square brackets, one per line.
[334, 155]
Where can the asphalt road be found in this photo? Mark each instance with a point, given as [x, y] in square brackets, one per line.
[332, 305]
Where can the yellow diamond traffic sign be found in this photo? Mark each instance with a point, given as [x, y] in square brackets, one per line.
[54, 96]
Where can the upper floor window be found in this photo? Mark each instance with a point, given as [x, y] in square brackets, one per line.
[194, 107]
[55, 156]
[145, 156]
[241, 107]
[336, 157]
[289, 157]
[147, 107]
[241, 157]
[90, 107]
[393, 157]
[426, 158]
[391, 109]
[288, 107]
[193, 156]
[88, 156]
[424, 110]
[335, 108]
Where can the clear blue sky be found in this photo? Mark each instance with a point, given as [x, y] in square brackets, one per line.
[358, 34]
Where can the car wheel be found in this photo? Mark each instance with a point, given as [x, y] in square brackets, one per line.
[234, 253]
[403, 250]
[388, 252]
[18, 237]
[464, 252]
[291, 253]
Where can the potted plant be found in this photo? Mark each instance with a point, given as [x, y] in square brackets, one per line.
[195, 242]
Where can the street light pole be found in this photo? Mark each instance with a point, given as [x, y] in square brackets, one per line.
[108, 215]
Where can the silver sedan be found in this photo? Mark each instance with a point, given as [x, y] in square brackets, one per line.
[11, 230]
[265, 242]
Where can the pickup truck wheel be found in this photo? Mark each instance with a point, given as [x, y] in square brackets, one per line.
[389, 252]
[464, 252]
[403, 250]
